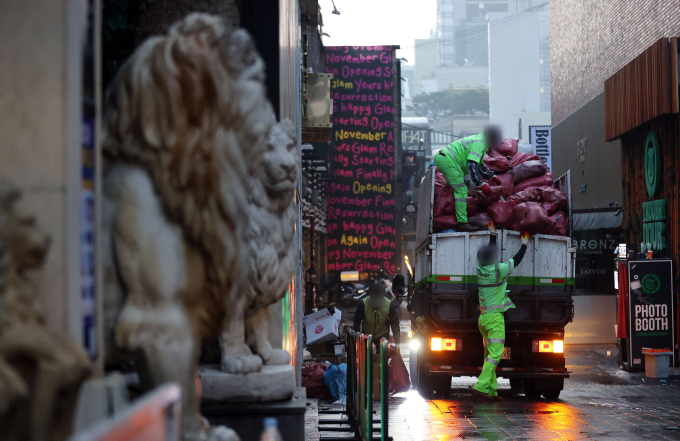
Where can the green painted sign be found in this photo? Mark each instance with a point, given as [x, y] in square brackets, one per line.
[654, 225]
[653, 164]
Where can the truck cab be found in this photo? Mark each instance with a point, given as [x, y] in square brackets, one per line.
[443, 303]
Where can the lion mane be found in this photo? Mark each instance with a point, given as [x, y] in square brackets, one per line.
[187, 108]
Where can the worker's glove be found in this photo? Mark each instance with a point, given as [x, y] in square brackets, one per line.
[486, 189]
[525, 238]
[492, 228]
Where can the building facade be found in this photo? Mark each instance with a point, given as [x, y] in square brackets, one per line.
[589, 43]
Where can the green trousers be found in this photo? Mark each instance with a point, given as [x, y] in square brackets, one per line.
[454, 177]
[492, 327]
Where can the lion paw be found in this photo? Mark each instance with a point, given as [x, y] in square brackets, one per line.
[239, 360]
[279, 357]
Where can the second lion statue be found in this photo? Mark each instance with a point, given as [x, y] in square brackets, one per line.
[199, 211]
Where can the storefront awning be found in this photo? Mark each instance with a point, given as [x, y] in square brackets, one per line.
[597, 220]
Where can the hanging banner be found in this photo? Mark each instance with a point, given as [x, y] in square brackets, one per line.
[540, 139]
[650, 300]
[362, 209]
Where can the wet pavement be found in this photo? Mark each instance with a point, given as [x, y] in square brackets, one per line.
[600, 402]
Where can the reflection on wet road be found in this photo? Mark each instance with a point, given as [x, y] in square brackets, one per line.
[599, 402]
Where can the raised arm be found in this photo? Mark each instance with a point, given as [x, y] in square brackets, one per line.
[520, 254]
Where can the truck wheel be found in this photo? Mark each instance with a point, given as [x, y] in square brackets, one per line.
[551, 394]
[516, 384]
[530, 390]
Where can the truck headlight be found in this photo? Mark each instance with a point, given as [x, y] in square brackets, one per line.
[414, 345]
[549, 346]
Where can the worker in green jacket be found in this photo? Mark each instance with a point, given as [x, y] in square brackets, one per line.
[463, 156]
[492, 277]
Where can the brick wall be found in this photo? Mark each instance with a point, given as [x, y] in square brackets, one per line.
[591, 40]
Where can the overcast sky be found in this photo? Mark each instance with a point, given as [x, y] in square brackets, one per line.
[379, 22]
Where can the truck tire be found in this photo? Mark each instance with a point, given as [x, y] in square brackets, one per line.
[530, 390]
[516, 384]
[413, 367]
[432, 387]
[551, 394]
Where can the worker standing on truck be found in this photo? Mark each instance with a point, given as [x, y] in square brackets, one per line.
[376, 314]
[492, 278]
[465, 156]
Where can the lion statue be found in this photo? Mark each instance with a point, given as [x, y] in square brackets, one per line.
[272, 253]
[41, 369]
[187, 124]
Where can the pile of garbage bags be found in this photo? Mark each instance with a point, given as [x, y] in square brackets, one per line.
[523, 197]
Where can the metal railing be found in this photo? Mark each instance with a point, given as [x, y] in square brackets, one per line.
[359, 406]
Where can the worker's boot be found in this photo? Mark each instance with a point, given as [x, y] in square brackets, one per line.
[464, 228]
[482, 395]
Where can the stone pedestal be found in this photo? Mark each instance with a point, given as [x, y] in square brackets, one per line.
[247, 419]
[272, 383]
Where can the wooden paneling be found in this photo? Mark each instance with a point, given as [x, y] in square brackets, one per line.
[642, 90]
[635, 187]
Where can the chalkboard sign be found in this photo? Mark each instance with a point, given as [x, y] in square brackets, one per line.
[362, 233]
[650, 297]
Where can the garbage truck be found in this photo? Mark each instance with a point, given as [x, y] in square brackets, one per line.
[444, 306]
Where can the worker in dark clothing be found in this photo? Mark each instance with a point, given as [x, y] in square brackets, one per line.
[492, 277]
[376, 315]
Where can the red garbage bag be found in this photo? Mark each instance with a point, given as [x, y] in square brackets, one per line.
[528, 170]
[521, 157]
[399, 380]
[444, 222]
[559, 224]
[444, 200]
[472, 203]
[508, 147]
[480, 220]
[530, 194]
[502, 213]
[312, 380]
[540, 181]
[506, 180]
[485, 200]
[531, 217]
[496, 163]
[554, 196]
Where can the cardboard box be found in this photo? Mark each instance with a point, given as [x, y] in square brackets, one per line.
[322, 326]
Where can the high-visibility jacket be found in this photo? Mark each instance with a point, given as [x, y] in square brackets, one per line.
[471, 148]
[376, 320]
[492, 280]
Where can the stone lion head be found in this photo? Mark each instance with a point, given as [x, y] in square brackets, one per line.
[23, 246]
[191, 109]
[281, 166]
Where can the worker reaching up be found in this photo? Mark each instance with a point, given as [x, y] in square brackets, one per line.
[492, 278]
[465, 156]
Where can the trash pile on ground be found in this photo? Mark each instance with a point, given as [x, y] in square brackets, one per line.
[523, 196]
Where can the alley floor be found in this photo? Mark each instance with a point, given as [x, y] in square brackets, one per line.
[599, 402]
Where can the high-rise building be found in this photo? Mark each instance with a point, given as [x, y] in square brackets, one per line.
[462, 29]
[519, 64]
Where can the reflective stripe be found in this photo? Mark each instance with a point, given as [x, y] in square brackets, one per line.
[497, 272]
[451, 151]
[462, 184]
[507, 305]
[492, 361]
[492, 286]
[495, 340]
[476, 154]
[461, 200]
[465, 143]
